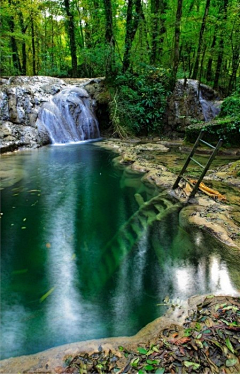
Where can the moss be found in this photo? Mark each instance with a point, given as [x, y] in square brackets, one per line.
[227, 128]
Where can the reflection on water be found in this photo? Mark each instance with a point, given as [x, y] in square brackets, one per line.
[58, 221]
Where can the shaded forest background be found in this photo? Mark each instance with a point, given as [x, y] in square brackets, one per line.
[197, 39]
[140, 46]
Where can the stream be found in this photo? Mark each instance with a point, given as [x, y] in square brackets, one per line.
[61, 207]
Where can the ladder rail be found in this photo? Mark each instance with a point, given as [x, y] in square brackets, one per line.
[205, 168]
[188, 160]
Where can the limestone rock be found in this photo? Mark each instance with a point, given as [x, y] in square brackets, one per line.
[21, 98]
[190, 101]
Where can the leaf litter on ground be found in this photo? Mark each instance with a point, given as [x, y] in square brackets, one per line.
[207, 343]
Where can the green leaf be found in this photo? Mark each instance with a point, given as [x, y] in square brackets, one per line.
[229, 345]
[142, 351]
[148, 367]
[153, 362]
[231, 362]
[193, 364]
[160, 371]
[188, 332]
[207, 332]
[149, 352]
[135, 361]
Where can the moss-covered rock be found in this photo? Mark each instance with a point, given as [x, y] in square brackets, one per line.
[227, 129]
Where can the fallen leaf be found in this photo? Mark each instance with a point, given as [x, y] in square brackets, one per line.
[229, 345]
[231, 362]
[46, 294]
[142, 351]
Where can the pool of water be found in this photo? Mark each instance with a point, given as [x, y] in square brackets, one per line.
[61, 207]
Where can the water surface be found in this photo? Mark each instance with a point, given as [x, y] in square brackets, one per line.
[60, 208]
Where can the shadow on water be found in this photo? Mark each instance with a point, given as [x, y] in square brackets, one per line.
[84, 257]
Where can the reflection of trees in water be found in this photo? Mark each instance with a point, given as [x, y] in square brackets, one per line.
[195, 263]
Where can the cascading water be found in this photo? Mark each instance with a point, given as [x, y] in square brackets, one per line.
[69, 117]
[207, 98]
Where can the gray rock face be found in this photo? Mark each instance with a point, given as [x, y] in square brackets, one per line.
[20, 101]
[190, 100]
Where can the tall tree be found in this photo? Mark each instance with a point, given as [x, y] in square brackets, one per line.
[177, 33]
[109, 35]
[200, 39]
[15, 53]
[134, 10]
[158, 8]
[223, 10]
[71, 33]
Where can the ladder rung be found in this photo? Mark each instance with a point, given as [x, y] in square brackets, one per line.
[209, 145]
[197, 162]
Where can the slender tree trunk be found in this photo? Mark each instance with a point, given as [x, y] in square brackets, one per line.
[176, 54]
[71, 33]
[210, 60]
[33, 47]
[196, 66]
[24, 53]
[15, 55]
[109, 22]
[235, 66]
[131, 29]
[109, 36]
[221, 46]
[158, 29]
[82, 42]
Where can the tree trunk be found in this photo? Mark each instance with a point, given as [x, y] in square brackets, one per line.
[158, 29]
[131, 29]
[71, 34]
[221, 45]
[210, 61]
[235, 64]
[196, 66]
[176, 53]
[109, 36]
[15, 55]
[33, 47]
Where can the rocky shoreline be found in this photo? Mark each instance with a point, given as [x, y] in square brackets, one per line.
[220, 218]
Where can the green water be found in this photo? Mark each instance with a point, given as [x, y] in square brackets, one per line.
[61, 207]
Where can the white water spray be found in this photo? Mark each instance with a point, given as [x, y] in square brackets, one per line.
[69, 117]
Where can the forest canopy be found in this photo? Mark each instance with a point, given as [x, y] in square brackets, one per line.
[197, 39]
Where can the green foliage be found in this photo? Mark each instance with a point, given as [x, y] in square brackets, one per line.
[227, 129]
[231, 105]
[138, 101]
[226, 126]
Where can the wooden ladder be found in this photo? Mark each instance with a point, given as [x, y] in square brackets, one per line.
[205, 168]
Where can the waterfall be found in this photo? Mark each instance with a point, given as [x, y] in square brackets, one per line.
[208, 98]
[69, 117]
